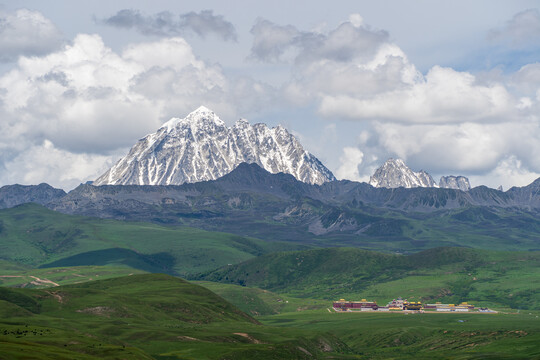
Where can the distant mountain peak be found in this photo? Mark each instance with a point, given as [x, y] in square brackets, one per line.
[242, 123]
[455, 182]
[200, 118]
[394, 173]
[201, 147]
[392, 161]
[203, 109]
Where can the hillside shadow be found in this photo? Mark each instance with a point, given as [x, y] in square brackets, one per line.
[155, 263]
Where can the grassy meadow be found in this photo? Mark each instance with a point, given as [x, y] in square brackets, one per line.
[161, 317]
[425, 336]
[86, 288]
[492, 278]
[143, 317]
[33, 236]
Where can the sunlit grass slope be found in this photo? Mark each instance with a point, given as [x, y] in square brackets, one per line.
[425, 336]
[50, 277]
[142, 317]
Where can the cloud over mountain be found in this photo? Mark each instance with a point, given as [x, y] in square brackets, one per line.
[87, 99]
[443, 119]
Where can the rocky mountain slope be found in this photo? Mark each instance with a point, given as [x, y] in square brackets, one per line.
[102, 200]
[394, 174]
[455, 182]
[251, 201]
[253, 179]
[12, 195]
[201, 147]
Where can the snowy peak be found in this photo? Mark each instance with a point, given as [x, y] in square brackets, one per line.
[202, 118]
[202, 109]
[455, 182]
[394, 173]
[242, 124]
[201, 147]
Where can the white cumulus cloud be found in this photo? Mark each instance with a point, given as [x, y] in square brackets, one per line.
[443, 95]
[523, 30]
[45, 163]
[350, 160]
[508, 172]
[26, 33]
[445, 121]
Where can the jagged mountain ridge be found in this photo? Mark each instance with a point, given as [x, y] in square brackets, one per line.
[252, 178]
[455, 182]
[12, 195]
[394, 173]
[201, 147]
[251, 201]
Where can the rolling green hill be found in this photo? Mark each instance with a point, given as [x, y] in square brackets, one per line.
[509, 279]
[157, 316]
[33, 236]
[425, 336]
[257, 302]
[149, 316]
[49, 277]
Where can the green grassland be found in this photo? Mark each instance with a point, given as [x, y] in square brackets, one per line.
[258, 302]
[308, 221]
[477, 227]
[33, 236]
[49, 277]
[490, 278]
[156, 316]
[144, 317]
[425, 336]
[253, 302]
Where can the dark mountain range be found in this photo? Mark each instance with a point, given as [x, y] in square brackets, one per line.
[251, 201]
[12, 195]
[253, 179]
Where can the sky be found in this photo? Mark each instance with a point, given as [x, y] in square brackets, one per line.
[452, 88]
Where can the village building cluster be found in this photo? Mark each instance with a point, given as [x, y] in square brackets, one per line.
[400, 304]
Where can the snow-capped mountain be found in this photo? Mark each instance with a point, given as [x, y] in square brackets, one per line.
[455, 182]
[394, 173]
[201, 147]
